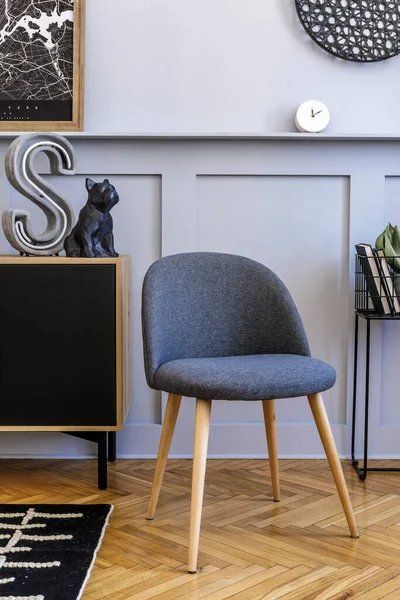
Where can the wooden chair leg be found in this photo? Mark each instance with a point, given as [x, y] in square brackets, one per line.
[270, 430]
[328, 442]
[201, 433]
[171, 414]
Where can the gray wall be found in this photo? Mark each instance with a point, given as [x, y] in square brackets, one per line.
[223, 66]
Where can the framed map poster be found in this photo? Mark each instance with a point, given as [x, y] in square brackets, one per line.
[41, 65]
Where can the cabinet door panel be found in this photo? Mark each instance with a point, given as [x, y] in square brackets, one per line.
[57, 345]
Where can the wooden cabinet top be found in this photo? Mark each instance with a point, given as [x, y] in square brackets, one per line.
[9, 259]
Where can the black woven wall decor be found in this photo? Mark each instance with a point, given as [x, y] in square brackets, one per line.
[356, 30]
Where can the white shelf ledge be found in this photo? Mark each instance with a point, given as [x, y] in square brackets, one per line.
[290, 136]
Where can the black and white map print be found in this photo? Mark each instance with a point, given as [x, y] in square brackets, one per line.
[36, 60]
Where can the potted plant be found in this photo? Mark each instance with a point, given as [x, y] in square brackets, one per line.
[389, 242]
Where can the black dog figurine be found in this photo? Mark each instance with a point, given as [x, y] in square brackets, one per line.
[92, 235]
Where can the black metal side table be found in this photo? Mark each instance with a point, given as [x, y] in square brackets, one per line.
[368, 317]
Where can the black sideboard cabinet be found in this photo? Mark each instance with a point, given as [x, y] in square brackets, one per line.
[65, 348]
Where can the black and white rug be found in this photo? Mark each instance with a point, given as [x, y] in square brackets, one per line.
[48, 550]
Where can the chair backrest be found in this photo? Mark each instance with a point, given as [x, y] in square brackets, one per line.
[206, 304]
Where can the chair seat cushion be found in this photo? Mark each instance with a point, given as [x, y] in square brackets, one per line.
[256, 377]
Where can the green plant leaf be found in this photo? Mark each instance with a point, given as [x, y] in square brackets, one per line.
[389, 242]
[380, 241]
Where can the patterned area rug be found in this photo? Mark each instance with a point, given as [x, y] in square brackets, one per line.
[48, 550]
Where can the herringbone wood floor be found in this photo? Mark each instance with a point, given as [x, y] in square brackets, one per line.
[250, 548]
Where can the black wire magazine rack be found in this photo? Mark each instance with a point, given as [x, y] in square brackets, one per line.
[375, 286]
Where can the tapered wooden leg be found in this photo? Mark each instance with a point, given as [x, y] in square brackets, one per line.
[201, 433]
[328, 442]
[171, 414]
[270, 430]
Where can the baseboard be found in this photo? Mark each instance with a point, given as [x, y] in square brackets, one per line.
[227, 440]
[234, 440]
[231, 440]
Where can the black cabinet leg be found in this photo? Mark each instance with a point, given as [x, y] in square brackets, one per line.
[112, 446]
[102, 460]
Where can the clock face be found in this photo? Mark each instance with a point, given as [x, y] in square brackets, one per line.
[312, 117]
[356, 30]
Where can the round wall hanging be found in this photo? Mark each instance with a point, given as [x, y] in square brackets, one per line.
[357, 30]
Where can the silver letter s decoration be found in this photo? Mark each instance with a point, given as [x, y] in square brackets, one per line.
[21, 173]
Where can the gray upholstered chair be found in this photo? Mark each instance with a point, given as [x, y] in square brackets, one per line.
[219, 326]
